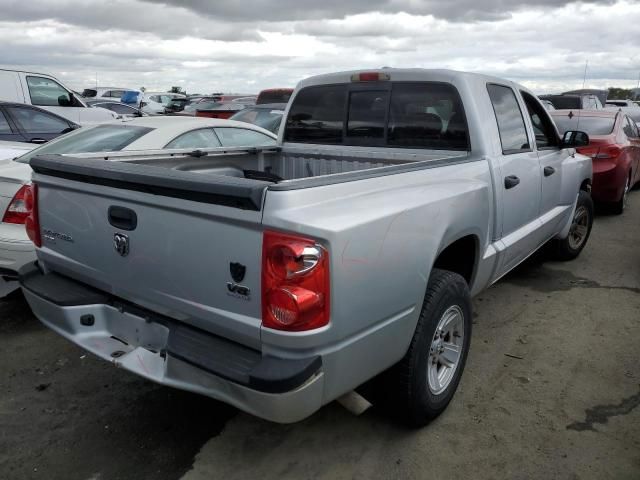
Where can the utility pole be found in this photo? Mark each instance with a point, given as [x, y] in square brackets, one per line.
[584, 79]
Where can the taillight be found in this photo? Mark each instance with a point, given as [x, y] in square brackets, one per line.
[370, 77]
[295, 283]
[18, 210]
[32, 222]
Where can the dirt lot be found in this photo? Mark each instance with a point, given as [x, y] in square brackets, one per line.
[551, 390]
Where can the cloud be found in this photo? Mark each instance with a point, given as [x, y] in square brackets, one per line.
[291, 10]
[241, 48]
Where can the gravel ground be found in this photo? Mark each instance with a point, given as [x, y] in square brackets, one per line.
[551, 390]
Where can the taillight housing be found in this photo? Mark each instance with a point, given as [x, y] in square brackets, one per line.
[370, 77]
[17, 211]
[601, 152]
[32, 222]
[295, 283]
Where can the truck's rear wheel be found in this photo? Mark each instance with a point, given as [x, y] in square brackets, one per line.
[423, 383]
[570, 247]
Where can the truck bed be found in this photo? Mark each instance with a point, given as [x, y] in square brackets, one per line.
[235, 177]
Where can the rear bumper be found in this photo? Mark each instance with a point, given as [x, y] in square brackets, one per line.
[174, 354]
[16, 251]
[608, 180]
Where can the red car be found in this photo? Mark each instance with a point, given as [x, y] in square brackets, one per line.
[614, 146]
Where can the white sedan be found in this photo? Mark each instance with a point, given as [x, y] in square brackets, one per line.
[146, 133]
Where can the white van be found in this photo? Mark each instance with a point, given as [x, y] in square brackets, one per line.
[49, 93]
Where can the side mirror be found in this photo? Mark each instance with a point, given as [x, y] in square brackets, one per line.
[574, 139]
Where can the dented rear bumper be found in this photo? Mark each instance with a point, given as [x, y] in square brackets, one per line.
[172, 353]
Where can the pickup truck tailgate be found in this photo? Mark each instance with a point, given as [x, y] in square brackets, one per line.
[166, 240]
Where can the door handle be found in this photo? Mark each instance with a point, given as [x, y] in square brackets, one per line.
[123, 218]
[549, 171]
[511, 181]
[38, 140]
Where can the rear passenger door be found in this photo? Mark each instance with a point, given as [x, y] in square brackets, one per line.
[554, 209]
[519, 180]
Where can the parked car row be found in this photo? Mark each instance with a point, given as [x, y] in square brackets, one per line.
[386, 200]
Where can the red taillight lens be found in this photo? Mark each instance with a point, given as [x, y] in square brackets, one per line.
[601, 152]
[32, 222]
[19, 209]
[295, 283]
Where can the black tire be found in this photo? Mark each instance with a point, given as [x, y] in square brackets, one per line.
[406, 388]
[566, 248]
[619, 206]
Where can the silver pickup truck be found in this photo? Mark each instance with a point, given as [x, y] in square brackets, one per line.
[279, 279]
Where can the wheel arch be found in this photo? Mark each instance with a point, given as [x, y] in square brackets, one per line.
[460, 256]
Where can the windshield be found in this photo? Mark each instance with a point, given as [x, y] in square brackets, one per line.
[103, 138]
[268, 119]
[591, 125]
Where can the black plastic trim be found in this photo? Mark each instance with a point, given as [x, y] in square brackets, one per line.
[204, 350]
[9, 275]
[234, 192]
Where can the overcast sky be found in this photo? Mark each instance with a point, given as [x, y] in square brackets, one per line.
[244, 46]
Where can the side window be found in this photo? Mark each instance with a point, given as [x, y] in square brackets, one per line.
[630, 129]
[543, 128]
[513, 134]
[114, 93]
[240, 137]
[48, 93]
[35, 121]
[5, 128]
[202, 138]
[317, 115]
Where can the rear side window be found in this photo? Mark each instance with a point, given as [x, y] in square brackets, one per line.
[35, 121]
[630, 128]
[317, 115]
[513, 134]
[399, 115]
[592, 125]
[103, 138]
[240, 137]
[201, 138]
[5, 128]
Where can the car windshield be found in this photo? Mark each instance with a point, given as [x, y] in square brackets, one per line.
[263, 117]
[103, 138]
[591, 125]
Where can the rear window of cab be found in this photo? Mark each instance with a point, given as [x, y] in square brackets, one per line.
[427, 115]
